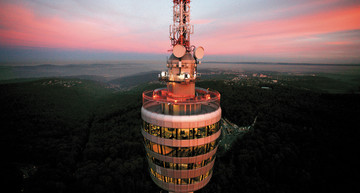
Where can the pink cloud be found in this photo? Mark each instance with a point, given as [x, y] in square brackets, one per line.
[201, 21]
[287, 35]
[21, 27]
[340, 43]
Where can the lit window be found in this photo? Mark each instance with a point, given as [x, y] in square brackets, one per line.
[180, 181]
[173, 133]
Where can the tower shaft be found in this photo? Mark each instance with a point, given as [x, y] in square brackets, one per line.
[181, 127]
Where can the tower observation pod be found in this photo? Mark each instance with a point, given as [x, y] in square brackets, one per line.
[181, 126]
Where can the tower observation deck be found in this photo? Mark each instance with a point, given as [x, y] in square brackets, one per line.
[181, 122]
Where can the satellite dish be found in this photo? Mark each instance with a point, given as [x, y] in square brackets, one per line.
[179, 51]
[199, 52]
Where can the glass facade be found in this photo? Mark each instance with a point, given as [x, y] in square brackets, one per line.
[180, 166]
[206, 101]
[180, 151]
[173, 133]
[179, 181]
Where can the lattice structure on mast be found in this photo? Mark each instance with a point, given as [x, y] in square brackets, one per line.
[181, 29]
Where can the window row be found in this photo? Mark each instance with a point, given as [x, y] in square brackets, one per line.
[173, 133]
[180, 151]
[180, 181]
[178, 166]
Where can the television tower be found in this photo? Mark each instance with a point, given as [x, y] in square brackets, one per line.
[181, 127]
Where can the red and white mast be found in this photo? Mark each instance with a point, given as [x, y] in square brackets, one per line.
[182, 64]
[181, 29]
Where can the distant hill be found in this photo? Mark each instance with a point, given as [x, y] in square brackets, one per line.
[108, 71]
[282, 63]
[134, 80]
[90, 77]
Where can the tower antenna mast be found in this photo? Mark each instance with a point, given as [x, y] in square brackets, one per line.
[181, 29]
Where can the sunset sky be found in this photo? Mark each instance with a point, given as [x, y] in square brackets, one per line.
[59, 32]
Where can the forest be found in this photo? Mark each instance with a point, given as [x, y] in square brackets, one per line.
[71, 135]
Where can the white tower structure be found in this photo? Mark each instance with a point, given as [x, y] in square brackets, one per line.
[181, 122]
